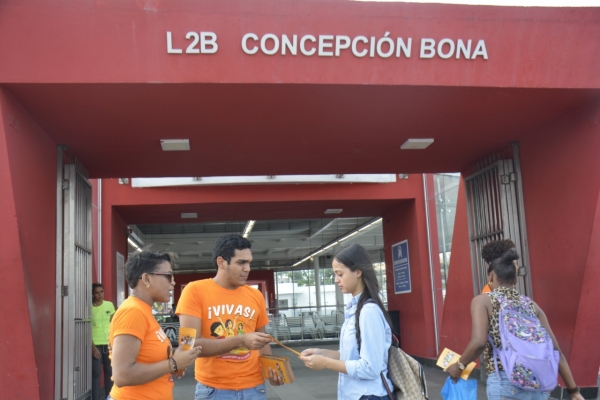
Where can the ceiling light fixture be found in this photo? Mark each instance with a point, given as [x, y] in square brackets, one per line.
[189, 215]
[334, 210]
[416, 144]
[175, 144]
[134, 244]
[329, 245]
[248, 228]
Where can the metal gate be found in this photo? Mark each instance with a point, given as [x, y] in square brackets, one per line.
[74, 278]
[495, 211]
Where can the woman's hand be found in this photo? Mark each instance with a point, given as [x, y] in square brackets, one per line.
[314, 361]
[310, 352]
[576, 396]
[95, 352]
[185, 358]
[454, 371]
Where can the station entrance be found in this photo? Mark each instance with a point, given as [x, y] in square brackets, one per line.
[106, 84]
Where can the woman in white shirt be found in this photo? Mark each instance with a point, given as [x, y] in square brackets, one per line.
[365, 337]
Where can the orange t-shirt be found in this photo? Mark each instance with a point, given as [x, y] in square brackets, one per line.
[134, 317]
[225, 313]
[486, 289]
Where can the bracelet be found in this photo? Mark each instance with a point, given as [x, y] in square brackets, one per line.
[573, 390]
[174, 365]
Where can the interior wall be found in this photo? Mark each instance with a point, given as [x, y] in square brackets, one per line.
[561, 186]
[417, 333]
[31, 161]
[114, 239]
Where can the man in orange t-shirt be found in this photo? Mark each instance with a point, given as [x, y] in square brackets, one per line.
[229, 362]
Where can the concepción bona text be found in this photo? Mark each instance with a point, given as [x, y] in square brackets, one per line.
[335, 45]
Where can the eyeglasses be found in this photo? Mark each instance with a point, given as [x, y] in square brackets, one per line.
[168, 275]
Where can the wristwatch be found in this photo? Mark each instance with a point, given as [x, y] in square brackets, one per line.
[461, 365]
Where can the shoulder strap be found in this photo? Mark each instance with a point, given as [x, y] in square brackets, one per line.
[387, 387]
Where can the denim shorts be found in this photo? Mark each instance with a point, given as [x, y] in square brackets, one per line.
[206, 392]
[501, 389]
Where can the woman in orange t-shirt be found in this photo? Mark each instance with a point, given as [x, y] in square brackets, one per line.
[142, 357]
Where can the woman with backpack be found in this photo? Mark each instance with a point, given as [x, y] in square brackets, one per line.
[365, 337]
[507, 317]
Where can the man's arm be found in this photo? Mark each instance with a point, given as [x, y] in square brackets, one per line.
[212, 347]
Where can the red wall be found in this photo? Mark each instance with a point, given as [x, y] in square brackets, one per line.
[561, 189]
[417, 332]
[125, 41]
[114, 239]
[29, 246]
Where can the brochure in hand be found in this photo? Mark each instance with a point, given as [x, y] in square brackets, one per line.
[281, 366]
[449, 357]
[187, 337]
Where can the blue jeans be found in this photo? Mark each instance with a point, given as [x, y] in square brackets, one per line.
[501, 389]
[206, 392]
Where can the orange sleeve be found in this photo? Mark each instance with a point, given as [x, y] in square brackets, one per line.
[190, 302]
[130, 322]
[486, 289]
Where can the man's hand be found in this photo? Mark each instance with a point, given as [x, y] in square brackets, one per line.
[95, 352]
[255, 340]
[275, 378]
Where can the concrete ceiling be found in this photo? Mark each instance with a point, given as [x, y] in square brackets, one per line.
[276, 244]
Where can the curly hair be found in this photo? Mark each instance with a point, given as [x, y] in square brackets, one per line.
[495, 249]
[504, 268]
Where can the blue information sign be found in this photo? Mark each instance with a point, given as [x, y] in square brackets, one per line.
[401, 264]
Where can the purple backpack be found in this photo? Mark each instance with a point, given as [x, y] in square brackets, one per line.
[526, 350]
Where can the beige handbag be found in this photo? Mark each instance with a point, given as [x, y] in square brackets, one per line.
[406, 374]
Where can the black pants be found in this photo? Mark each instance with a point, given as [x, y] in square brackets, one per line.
[97, 366]
[372, 397]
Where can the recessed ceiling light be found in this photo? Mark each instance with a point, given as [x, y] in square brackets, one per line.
[175, 144]
[416, 144]
[334, 210]
[189, 215]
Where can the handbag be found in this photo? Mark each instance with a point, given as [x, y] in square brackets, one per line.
[461, 390]
[406, 374]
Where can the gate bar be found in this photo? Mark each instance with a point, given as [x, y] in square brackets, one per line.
[58, 283]
[522, 224]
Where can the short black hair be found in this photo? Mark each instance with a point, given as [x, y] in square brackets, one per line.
[96, 285]
[226, 246]
[143, 262]
[504, 267]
